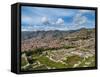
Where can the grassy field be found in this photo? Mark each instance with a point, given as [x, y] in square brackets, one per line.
[46, 61]
[37, 60]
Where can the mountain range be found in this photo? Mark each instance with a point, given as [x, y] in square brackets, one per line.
[54, 38]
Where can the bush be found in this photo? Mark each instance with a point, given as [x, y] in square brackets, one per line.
[29, 53]
[31, 60]
[38, 50]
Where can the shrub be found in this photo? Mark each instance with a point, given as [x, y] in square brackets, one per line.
[29, 53]
[31, 60]
[38, 50]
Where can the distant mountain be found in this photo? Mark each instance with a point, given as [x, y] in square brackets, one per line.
[55, 33]
[56, 38]
[83, 32]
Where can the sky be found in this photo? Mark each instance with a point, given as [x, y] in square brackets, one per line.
[42, 18]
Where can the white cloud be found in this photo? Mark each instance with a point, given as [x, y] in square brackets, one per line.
[37, 18]
[60, 21]
[30, 19]
[85, 11]
[47, 21]
[79, 20]
[44, 20]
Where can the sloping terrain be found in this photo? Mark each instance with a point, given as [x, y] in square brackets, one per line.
[58, 49]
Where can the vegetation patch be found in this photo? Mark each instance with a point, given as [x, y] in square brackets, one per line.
[68, 46]
[46, 61]
[89, 62]
[41, 67]
[71, 60]
[23, 62]
[84, 49]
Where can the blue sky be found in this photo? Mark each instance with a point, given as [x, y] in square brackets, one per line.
[41, 18]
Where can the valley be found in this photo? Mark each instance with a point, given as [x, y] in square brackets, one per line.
[56, 49]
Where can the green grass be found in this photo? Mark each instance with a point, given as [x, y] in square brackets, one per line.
[89, 59]
[23, 62]
[71, 60]
[41, 67]
[29, 67]
[75, 59]
[46, 61]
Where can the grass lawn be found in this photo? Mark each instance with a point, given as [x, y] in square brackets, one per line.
[46, 61]
[90, 60]
[71, 60]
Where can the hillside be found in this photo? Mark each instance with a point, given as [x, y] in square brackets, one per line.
[58, 49]
[55, 38]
